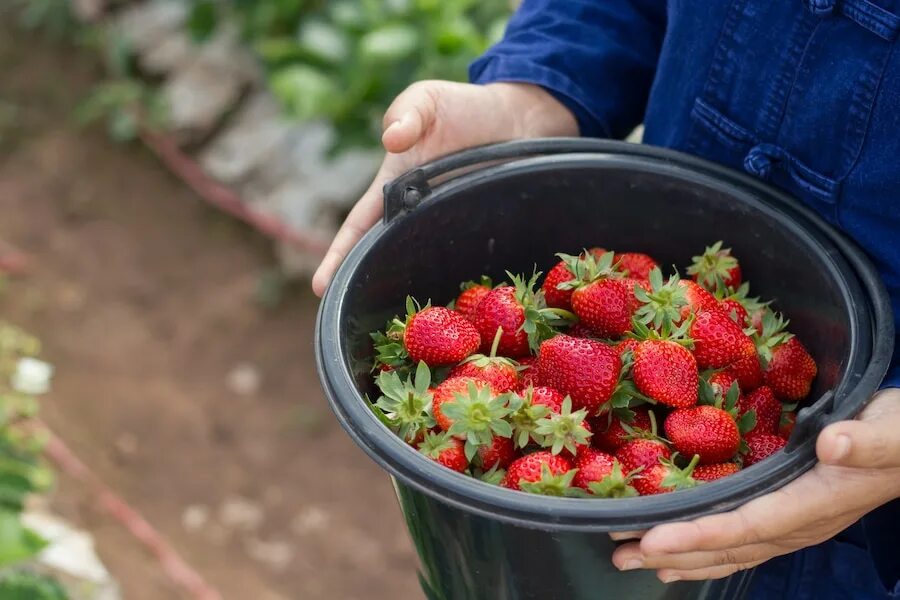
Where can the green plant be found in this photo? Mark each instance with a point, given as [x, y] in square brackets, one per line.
[345, 61]
[20, 584]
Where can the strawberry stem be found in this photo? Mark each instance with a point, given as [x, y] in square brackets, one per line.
[496, 343]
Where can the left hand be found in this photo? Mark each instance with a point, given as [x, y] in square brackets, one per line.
[859, 470]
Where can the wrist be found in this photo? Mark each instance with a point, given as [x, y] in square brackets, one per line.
[533, 111]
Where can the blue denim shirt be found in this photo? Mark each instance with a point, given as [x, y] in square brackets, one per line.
[804, 94]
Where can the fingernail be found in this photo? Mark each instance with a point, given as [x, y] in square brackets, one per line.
[671, 579]
[393, 125]
[631, 564]
[841, 447]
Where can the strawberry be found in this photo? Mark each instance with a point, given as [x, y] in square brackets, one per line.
[767, 407]
[498, 454]
[528, 371]
[564, 432]
[609, 430]
[635, 265]
[736, 311]
[447, 392]
[445, 449]
[521, 314]
[748, 372]
[786, 424]
[627, 345]
[716, 471]
[586, 370]
[787, 366]
[762, 446]
[555, 296]
[642, 452]
[601, 474]
[664, 477]
[721, 381]
[664, 370]
[600, 298]
[406, 404]
[580, 330]
[528, 408]
[502, 373]
[716, 268]
[545, 470]
[704, 430]
[719, 341]
[434, 334]
[661, 304]
[476, 415]
[739, 305]
[471, 293]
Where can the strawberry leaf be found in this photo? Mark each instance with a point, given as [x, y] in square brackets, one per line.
[747, 422]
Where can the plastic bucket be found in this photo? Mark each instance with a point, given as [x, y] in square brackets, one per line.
[510, 205]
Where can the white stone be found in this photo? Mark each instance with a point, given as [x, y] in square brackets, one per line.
[244, 379]
[32, 376]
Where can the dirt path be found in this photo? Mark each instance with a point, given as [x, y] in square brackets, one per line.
[144, 298]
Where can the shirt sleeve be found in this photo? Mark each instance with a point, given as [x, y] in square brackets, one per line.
[597, 57]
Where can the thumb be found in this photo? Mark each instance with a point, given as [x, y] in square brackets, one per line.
[411, 115]
[861, 444]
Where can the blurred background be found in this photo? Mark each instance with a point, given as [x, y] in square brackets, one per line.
[171, 171]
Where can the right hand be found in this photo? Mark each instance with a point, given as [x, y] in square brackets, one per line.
[434, 118]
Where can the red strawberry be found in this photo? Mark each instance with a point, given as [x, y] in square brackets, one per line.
[719, 341]
[762, 446]
[586, 370]
[499, 454]
[664, 477]
[661, 305]
[605, 306]
[716, 471]
[565, 432]
[748, 372]
[472, 293]
[666, 371]
[445, 449]
[533, 468]
[447, 392]
[716, 267]
[627, 345]
[756, 319]
[790, 371]
[505, 308]
[559, 274]
[528, 408]
[767, 407]
[502, 373]
[580, 330]
[439, 336]
[636, 265]
[698, 298]
[476, 415]
[736, 311]
[721, 382]
[786, 424]
[601, 474]
[705, 430]
[528, 366]
[642, 452]
[609, 435]
[547, 396]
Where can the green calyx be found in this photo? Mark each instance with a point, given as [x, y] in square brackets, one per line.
[435, 444]
[616, 484]
[483, 281]
[712, 268]
[563, 430]
[626, 395]
[493, 476]
[524, 417]
[406, 404]
[477, 416]
[773, 335]
[588, 268]
[553, 485]
[727, 402]
[661, 306]
[666, 332]
[679, 479]
[390, 350]
[741, 295]
[634, 433]
[541, 323]
[482, 361]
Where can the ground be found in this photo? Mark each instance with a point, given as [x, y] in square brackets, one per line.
[145, 300]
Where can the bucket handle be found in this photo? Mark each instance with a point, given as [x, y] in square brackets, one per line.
[407, 191]
[811, 420]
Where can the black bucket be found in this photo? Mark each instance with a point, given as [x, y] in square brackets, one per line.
[510, 205]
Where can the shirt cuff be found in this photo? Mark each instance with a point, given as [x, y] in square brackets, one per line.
[495, 69]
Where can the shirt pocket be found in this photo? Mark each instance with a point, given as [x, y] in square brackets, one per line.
[804, 125]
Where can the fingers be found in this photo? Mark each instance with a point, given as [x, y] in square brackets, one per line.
[409, 117]
[863, 444]
[618, 536]
[673, 575]
[363, 216]
[630, 556]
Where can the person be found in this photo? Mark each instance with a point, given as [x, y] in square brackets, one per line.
[804, 94]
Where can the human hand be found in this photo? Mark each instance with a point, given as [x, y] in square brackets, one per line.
[433, 118]
[859, 470]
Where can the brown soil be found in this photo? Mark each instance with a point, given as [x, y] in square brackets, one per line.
[144, 298]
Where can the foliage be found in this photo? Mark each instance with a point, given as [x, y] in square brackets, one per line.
[21, 584]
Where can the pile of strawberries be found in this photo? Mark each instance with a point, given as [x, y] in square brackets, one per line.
[608, 380]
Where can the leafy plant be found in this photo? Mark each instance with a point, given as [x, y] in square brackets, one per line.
[27, 585]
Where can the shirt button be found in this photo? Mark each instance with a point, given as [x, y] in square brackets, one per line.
[821, 8]
[758, 162]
